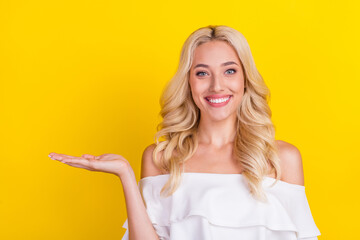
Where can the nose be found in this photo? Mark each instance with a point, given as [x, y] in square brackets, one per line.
[216, 84]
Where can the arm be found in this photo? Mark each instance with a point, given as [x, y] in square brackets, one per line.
[137, 215]
[139, 224]
[291, 163]
[292, 172]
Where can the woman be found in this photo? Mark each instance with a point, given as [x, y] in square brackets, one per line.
[219, 173]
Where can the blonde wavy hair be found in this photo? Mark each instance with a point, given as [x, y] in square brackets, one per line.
[254, 145]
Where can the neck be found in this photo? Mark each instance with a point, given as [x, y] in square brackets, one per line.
[217, 133]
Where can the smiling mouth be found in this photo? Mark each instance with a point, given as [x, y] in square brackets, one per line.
[218, 100]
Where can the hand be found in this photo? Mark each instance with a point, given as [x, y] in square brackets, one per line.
[110, 163]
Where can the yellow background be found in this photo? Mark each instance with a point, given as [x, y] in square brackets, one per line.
[86, 76]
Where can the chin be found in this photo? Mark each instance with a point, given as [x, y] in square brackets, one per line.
[218, 117]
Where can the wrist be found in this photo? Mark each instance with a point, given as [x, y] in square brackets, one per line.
[126, 173]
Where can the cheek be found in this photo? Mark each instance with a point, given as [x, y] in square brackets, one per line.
[197, 88]
[196, 92]
[237, 86]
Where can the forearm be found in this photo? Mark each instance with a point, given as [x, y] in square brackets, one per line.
[139, 224]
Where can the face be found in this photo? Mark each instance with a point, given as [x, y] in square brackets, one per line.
[216, 80]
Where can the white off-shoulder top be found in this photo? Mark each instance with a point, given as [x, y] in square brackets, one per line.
[212, 206]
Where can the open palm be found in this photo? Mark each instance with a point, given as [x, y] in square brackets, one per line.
[110, 163]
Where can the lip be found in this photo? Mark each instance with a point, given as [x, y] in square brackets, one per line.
[218, 104]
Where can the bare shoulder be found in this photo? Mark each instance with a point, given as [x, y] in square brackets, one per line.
[291, 163]
[148, 167]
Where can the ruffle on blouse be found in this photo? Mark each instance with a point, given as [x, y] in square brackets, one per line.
[219, 206]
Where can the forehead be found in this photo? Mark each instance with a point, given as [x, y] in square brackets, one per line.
[215, 52]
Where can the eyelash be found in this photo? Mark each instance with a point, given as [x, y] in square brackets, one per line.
[197, 74]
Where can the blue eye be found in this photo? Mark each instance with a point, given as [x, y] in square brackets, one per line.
[197, 74]
[231, 70]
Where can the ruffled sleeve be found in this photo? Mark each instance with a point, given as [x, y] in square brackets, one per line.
[294, 200]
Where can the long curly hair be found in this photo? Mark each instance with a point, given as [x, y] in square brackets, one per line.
[254, 146]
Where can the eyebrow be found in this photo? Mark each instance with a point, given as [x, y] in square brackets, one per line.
[224, 64]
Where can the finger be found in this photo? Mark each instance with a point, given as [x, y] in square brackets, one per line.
[81, 161]
[88, 156]
[78, 166]
[57, 156]
[107, 156]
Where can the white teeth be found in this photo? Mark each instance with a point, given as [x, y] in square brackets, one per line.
[218, 100]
